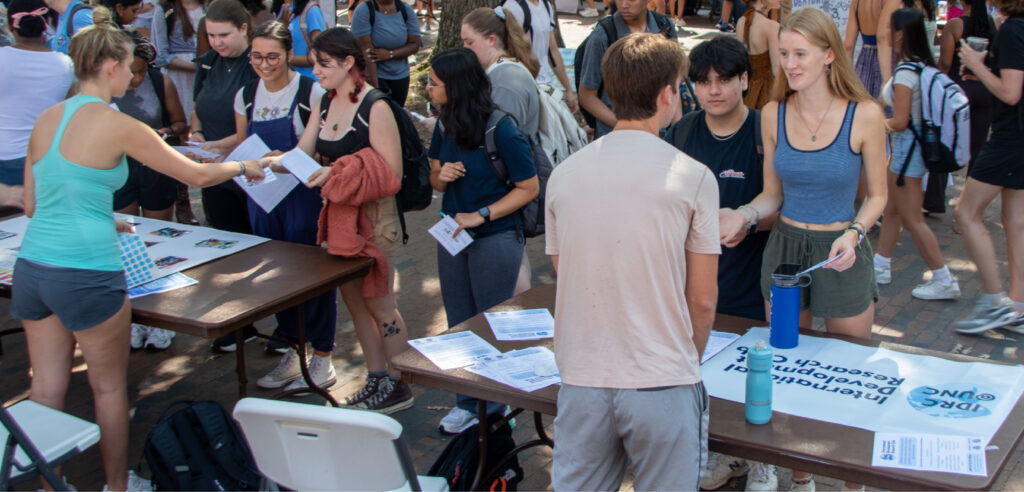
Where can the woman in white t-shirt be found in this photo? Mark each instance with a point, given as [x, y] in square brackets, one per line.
[39, 78]
[540, 30]
[903, 93]
[277, 108]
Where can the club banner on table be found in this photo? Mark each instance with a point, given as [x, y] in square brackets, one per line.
[874, 388]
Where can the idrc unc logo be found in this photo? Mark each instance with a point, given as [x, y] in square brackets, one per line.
[956, 400]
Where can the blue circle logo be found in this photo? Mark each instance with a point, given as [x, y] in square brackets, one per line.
[955, 400]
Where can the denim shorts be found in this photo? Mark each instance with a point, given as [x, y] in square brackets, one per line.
[80, 298]
[12, 171]
[901, 142]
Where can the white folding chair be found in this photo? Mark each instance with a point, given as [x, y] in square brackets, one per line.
[38, 438]
[307, 447]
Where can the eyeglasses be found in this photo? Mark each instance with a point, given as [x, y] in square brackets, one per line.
[431, 86]
[271, 58]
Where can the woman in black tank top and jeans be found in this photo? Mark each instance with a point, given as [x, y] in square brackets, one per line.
[340, 66]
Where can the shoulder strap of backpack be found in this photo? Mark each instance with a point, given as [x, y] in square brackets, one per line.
[361, 122]
[910, 154]
[249, 97]
[70, 27]
[217, 426]
[681, 130]
[163, 442]
[527, 19]
[404, 9]
[157, 79]
[608, 24]
[491, 146]
[304, 24]
[325, 104]
[372, 5]
[664, 24]
[305, 90]
[758, 139]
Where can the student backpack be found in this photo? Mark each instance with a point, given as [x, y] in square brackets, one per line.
[945, 133]
[303, 26]
[416, 192]
[199, 447]
[608, 24]
[533, 212]
[459, 461]
[400, 7]
[305, 89]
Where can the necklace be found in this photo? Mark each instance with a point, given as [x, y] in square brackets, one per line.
[726, 137]
[814, 133]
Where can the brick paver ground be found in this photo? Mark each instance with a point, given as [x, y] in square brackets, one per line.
[189, 370]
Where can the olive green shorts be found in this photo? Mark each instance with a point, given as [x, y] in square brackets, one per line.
[831, 294]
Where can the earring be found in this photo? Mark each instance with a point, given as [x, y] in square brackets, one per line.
[828, 69]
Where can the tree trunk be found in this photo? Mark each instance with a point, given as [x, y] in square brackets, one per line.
[452, 12]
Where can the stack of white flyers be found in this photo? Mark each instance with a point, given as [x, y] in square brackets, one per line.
[453, 350]
[526, 324]
[528, 370]
[717, 342]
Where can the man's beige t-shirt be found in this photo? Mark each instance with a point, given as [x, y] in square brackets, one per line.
[621, 214]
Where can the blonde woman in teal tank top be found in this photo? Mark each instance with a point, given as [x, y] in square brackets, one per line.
[69, 286]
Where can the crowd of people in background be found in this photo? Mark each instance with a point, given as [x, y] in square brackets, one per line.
[784, 143]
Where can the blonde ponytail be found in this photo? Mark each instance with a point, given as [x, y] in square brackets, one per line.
[507, 31]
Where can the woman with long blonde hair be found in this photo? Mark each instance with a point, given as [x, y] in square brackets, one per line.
[820, 130]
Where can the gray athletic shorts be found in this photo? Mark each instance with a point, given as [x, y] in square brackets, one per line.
[661, 431]
[80, 298]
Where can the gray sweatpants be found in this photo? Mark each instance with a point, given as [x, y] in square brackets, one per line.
[599, 431]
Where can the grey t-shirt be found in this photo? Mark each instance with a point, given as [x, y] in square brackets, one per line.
[590, 75]
[514, 91]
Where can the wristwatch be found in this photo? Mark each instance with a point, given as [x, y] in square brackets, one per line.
[751, 228]
[485, 213]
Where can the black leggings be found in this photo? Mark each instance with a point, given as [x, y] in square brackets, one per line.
[397, 89]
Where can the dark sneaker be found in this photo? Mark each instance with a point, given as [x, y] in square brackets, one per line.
[227, 343]
[274, 347]
[726, 27]
[368, 390]
[391, 396]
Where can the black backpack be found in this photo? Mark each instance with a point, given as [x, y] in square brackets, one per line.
[533, 212]
[608, 24]
[199, 447]
[373, 12]
[460, 458]
[305, 88]
[416, 192]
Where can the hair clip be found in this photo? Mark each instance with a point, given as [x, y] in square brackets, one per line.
[500, 12]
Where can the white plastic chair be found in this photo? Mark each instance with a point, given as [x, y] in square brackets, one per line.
[36, 438]
[307, 447]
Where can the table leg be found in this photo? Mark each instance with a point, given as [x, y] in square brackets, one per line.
[300, 329]
[481, 441]
[243, 382]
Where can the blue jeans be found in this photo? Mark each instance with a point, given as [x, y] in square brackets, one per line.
[12, 171]
[479, 277]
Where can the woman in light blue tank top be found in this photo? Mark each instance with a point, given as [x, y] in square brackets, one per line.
[69, 286]
[821, 131]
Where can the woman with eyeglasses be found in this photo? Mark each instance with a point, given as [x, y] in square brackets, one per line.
[277, 108]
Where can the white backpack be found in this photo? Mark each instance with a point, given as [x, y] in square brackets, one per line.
[946, 118]
[560, 134]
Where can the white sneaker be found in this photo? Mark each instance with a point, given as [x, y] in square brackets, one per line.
[457, 421]
[933, 290]
[135, 484]
[138, 338]
[321, 369]
[803, 486]
[720, 469]
[285, 372]
[883, 276]
[589, 12]
[159, 339]
[987, 316]
[762, 477]
[1017, 325]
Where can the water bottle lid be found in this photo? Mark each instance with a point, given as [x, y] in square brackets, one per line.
[760, 345]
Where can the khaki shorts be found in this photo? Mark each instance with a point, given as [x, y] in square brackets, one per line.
[387, 231]
[831, 294]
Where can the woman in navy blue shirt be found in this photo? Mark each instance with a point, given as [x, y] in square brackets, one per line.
[484, 273]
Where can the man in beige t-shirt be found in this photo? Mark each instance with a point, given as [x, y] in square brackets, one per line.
[632, 228]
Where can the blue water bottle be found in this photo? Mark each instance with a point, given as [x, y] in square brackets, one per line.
[785, 305]
[759, 384]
